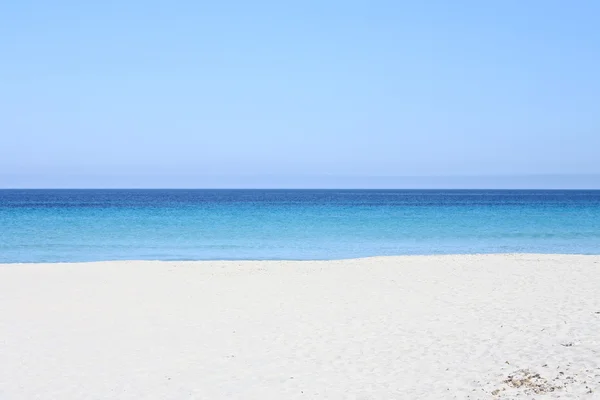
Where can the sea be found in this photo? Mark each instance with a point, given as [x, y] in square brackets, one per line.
[95, 225]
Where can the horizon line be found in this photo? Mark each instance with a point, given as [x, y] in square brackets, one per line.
[298, 188]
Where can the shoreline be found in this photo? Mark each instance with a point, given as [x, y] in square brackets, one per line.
[492, 326]
[271, 261]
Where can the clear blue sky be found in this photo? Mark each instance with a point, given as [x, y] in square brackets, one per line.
[268, 93]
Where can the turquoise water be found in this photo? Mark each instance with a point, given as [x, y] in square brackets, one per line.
[89, 225]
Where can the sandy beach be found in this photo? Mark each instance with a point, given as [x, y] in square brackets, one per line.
[422, 327]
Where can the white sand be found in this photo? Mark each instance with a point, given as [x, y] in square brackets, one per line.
[444, 327]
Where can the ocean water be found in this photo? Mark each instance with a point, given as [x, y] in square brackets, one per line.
[91, 225]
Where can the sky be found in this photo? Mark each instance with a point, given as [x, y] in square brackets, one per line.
[336, 93]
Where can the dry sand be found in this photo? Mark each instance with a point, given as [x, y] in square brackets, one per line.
[434, 327]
